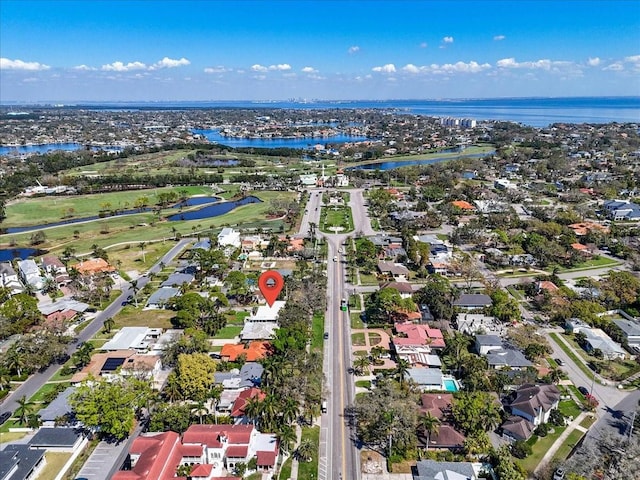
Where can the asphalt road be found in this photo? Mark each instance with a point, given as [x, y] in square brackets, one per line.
[37, 380]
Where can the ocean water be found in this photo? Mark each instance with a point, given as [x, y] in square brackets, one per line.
[535, 112]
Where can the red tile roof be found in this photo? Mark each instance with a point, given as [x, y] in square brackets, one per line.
[238, 406]
[266, 459]
[159, 457]
[200, 470]
[463, 205]
[210, 434]
[237, 451]
[255, 351]
[418, 335]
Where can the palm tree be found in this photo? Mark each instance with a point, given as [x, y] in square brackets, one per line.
[429, 425]
[108, 324]
[141, 246]
[136, 289]
[401, 370]
[304, 450]
[289, 410]
[15, 361]
[253, 409]
[287, 437]
[23, 410]
[200, 410]
[5, 378]
[361, 364]
[554, 375]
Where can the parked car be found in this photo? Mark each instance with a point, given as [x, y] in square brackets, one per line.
[5, 416]
[559, 361]
[583, 390]
[558, 474]
[326, 335]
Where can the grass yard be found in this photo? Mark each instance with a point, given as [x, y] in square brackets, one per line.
[363, 383]
[354, 301]
[7, 437]
[357, 339]
[374, 339]
[333, 217]
[540, 447]
[310, 469]
[368, 279]
[587, 422]
[515, 293]
[570, 442]
[285, 470]
[38, 397]
[569, 408]
[55, 462]
[317, 329]
[228, 332]
[130, 316]
[595, 262]
[356, 321]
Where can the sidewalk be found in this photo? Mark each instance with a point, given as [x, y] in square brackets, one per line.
[575, 425]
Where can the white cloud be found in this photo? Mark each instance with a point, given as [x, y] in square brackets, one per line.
[281, 67]
[259, 68]
[411, 68]
[499, 38]
[615, 67]
[632, 59]
[123, 67]
[167, 62]
[354, 49]
[424, 45]
[544, 64]
[593, 62]
[458, 67]
[447, 39]
[84, 68]
[8, 64]
[309, 70]
[218, 69]
[30, 80]
[388, 68]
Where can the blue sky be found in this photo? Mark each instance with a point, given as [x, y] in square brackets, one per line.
[102, 50]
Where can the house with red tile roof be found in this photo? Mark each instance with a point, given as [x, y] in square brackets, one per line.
[253, 351]
[237, 410]
[227, 445]
[212, 450]
[93, 266]
[417, 343]
[463, 205]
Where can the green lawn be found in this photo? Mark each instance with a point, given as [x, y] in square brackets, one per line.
[540, 447]
[354, 301]
[356, 321]
[587, 422]
[357, 339]
[595, 262]
[38, 397]
[569, 443]
[363, 383]
[336, 216]
[568, 408]
[308, 470]
[317, 327]
[516, 293]
[228, 332]
[368, 279]
[285, 470]
[130, 316]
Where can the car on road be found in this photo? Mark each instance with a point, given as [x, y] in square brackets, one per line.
[335, 259]
[558, 474]
[5, 416]
[559, 361]
[583, 390]
[326, 335]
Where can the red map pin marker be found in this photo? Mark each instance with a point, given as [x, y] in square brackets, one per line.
[270, 283]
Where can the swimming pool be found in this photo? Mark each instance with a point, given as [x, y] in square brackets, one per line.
[450, 385]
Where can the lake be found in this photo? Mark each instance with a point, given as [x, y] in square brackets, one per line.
[214, 210]
[214, 136]
[409, 163]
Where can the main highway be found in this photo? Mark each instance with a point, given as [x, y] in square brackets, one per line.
[339, 455]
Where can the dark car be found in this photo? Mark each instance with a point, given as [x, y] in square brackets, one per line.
[326, 335]
[4, 417]
[583, 390]
[559, 361]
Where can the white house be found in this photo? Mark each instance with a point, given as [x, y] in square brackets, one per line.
[30, 273]
[535, 402]
[229, 239]
[9, 279]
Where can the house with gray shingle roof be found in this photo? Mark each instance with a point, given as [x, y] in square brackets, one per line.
[434, 470]
[535, 402]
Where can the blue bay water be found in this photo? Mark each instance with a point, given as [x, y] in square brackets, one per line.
[535, 112]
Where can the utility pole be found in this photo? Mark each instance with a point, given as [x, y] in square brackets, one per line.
[633, 419]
